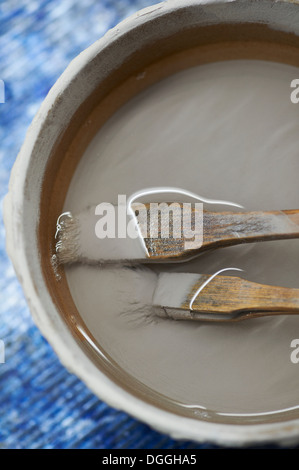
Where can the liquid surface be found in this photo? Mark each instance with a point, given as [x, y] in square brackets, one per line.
[224, 131]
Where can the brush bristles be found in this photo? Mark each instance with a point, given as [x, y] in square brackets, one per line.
[67, 246]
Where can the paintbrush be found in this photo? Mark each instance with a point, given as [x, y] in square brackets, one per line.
[78, 240]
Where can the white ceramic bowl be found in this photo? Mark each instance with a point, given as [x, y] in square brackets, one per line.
[161, 39]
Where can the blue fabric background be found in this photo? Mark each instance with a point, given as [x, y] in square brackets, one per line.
[42, 405]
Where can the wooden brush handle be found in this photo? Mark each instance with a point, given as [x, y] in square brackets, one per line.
[222, 229]
[228, 295]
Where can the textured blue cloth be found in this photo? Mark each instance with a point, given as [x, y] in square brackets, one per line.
[42, 405]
